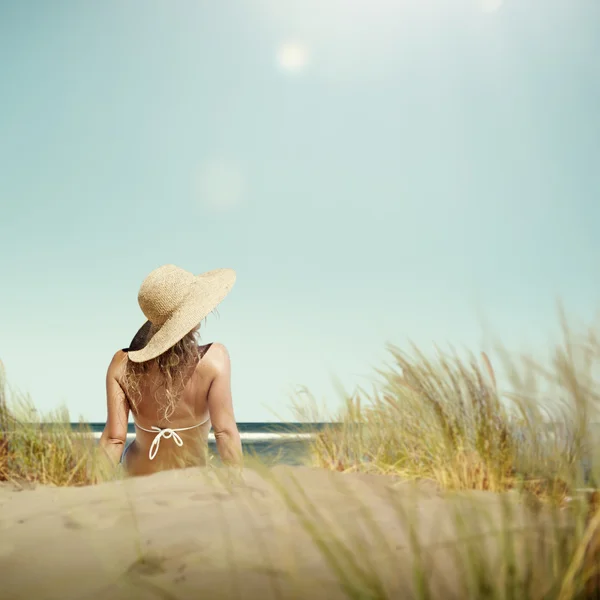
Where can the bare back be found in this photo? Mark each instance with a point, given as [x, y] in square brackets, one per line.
[205, 400]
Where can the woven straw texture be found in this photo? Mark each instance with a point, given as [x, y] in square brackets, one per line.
[175, 301]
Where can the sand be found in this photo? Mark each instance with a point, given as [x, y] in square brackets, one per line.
[186, 534]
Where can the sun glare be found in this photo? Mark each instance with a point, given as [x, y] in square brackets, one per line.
[292, 56]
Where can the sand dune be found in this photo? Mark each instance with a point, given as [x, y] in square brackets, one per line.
[189, 534]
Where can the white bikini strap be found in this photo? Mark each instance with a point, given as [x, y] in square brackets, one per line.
[155, 428]
[166, 433]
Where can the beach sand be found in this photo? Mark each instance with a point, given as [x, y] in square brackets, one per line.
[188, 534]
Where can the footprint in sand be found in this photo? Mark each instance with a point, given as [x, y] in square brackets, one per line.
[207, 497]
[149, 564]
[80, 519]
[71, 523]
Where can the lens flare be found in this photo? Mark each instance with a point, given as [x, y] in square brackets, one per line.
[292, 56]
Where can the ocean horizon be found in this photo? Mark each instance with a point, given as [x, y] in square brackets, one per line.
[289, 442]
[253, 430]
[274, 442]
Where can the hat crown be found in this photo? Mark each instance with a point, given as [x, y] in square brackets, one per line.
[163, 291]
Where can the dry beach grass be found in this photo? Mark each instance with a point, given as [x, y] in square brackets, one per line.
[437, 484]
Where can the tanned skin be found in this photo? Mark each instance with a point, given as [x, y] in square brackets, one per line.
[207, 394]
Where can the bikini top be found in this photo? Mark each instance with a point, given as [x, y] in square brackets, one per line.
[166, 432]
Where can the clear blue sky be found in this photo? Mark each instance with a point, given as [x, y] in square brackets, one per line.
[374, 171]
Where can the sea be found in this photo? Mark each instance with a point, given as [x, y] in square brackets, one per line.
[272, 443]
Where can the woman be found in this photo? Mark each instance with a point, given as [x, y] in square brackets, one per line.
[175, 388]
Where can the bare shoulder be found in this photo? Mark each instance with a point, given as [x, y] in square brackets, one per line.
[217, 356]
[117, 364]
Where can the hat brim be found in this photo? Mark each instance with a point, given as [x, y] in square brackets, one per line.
[206, 293]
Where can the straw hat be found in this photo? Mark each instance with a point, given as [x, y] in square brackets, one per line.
[174, 302]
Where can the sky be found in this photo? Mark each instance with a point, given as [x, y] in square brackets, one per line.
[375, 171]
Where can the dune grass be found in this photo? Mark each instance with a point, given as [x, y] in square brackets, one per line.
[45, 449]
[444, 419]
[447, 420]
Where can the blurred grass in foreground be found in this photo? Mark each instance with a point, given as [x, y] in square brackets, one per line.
[446, 419]
[443, 419]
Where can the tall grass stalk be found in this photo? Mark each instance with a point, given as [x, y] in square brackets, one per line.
[445, 419]
[45, 449]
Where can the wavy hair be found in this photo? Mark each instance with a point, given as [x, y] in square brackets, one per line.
[171, 366]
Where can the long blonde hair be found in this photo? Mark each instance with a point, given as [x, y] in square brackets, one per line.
[172, 367]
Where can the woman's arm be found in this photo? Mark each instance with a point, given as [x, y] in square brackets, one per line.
[114, 436]
[220, 408]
